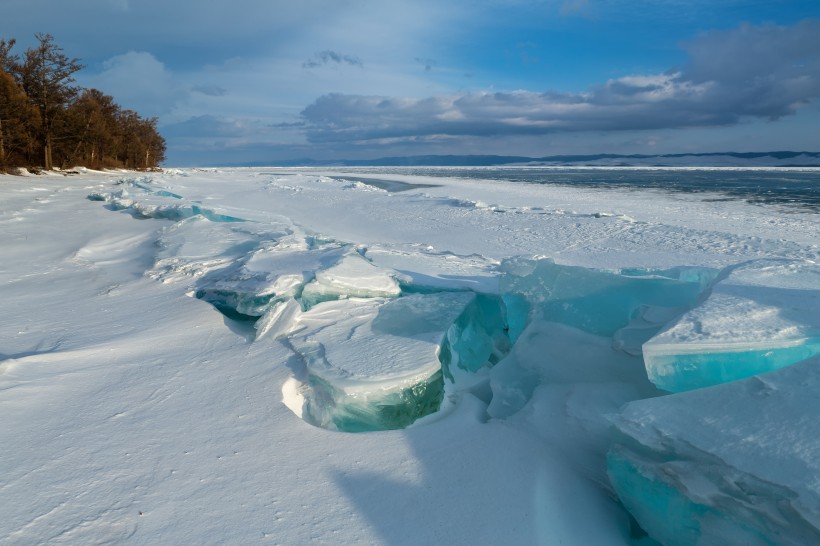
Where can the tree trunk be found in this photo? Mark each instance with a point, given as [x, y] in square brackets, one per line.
[47, 153]
[2, 147]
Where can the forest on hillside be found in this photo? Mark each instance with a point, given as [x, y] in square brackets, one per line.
[47, 122]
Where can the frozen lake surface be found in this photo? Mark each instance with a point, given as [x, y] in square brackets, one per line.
[404, 356]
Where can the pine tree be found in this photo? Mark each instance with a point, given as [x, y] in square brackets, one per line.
[46, 76]
[17, 118]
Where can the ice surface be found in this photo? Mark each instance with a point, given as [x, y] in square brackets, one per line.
[761, 315]
[374, 364]
[737, 463]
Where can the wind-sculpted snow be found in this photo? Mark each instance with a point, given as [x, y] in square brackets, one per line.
[760, 316]
[738, 463]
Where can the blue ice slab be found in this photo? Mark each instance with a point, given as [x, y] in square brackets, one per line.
[596, 301]
[738, 463]
[373, 364]
[760, 316]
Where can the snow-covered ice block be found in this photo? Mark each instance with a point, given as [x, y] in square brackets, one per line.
[376, 363]
[761, 316]
[266, 276]
[737, 463]
[351, 277]
[242, 268]
[421, 268]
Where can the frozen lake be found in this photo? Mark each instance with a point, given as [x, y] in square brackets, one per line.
[402, 356]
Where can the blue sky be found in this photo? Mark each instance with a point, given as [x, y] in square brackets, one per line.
[254, 80]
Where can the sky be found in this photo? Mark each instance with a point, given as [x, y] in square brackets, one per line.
[239, 81]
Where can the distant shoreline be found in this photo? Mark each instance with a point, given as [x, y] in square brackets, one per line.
[715, 159]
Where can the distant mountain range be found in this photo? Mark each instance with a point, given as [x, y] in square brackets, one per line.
[723, 159]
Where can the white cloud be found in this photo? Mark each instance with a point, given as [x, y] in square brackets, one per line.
[138, 81]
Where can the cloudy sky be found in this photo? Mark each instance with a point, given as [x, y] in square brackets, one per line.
[253, 80]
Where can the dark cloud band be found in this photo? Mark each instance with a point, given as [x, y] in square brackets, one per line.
[762, 72]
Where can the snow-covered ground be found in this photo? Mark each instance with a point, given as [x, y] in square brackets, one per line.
[178, 350]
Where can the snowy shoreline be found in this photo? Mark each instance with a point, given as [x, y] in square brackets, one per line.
[135, 411]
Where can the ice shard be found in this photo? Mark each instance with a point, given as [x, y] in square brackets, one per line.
[377, 363]
[737, 463]
[760, 316]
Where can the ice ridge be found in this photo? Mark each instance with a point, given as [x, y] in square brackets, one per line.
[375, 351]
[143, 201]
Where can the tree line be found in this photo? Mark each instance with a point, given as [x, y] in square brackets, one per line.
[46, 121]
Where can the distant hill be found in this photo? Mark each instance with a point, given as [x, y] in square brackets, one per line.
[722, 159]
